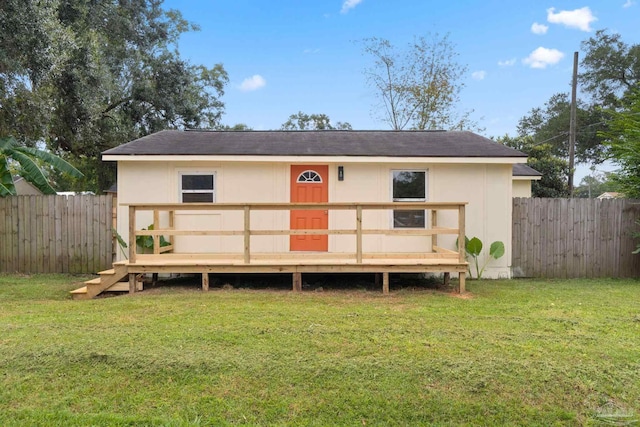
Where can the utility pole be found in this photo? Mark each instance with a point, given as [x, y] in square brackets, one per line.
[572, 122]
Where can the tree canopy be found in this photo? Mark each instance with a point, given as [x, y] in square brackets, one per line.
[554, 169]
[303, 121]
[81, 77]
[550, 125]
[417, 87]
[611, 68]
[623, 136]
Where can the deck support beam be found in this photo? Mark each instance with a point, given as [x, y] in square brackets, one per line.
[447, 276]
[205, 282]
[297, 282]
[132, 283]
[385, 283]
[461, 281]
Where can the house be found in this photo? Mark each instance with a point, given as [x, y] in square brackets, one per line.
[523, 176]
[383, 196]
[610, 195]
[25, 188]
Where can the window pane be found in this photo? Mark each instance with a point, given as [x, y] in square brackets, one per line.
[197, 197]
[197, 182]
[408, 185]
[408, 219]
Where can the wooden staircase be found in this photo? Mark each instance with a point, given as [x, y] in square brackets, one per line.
[109, 280]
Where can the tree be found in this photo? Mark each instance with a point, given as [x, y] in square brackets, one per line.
[417, 87]
[236, 127]
[550, 125]
[98, 74]
[623, 136]
[28, 162]
[611, 68]
[595, 184]
[302, 121]
[554, 169]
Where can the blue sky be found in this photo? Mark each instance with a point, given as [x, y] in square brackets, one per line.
[302, 55]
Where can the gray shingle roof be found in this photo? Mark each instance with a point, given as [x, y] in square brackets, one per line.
[316, 143]
[520, 169]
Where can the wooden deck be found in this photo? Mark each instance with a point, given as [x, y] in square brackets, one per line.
[164, 260]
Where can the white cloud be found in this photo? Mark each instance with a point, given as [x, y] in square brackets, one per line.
[539, 28]
[628, 3]
[507, 62]
[479, 75]
[349, 4]
[541, 57]
[578, 18]
[254, 82]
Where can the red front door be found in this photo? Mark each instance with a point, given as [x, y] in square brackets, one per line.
[309, 185]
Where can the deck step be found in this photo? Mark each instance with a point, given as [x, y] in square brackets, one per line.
[124, 287]
[107, 272]
[80, 293]
[95, 281]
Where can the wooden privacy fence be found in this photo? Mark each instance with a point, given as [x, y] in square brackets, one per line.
[572, 238]
[55, 234]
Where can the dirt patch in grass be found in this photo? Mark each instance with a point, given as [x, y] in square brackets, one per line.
[466, 295]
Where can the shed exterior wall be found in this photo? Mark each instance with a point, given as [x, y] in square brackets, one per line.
[521, 188]
[487, 188]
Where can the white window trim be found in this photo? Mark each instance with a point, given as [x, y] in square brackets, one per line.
[426, 196]
[208, 173]
[298, 181]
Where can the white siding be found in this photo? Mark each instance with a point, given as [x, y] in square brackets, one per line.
[487, 188]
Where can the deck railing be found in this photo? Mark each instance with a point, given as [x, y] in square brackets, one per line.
[432, 230]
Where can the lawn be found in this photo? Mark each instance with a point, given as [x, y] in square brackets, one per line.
[524, 352]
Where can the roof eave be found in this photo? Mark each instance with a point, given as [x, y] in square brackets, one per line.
[313, 159]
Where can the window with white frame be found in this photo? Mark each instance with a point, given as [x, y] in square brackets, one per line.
[409, 186]
[197, 188]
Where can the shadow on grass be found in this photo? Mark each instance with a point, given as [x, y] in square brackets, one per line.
[314, 282]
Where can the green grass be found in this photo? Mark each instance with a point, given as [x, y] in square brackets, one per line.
[525, 352]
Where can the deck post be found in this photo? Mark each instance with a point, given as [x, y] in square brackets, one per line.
[385, 283]
[461, 281]
[434, 224]
[247, 234]
[156, 225]
[447, 276]
[132, 235]
[461, 235]
[132, 283]
[205, 281]
[172, 225]
[359, 234]
[297, 282]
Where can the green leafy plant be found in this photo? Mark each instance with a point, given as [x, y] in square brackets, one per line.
[29, 163]
[145, 243]
[474, 246]
[121, 243]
